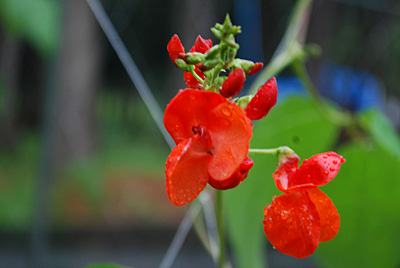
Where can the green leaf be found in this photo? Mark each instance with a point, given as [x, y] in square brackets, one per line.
[381, 131]
[366, 194]
[297, 123]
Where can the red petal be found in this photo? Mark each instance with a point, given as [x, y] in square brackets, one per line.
[186, 171]
[201, 45]
[237, 177]
[192, 82]
[174, 48]
[328, 214]
[233, 84]
[288, 165]
[189, 108]
[230, 132]
[291, 224]
[263, 101]
[316, 171]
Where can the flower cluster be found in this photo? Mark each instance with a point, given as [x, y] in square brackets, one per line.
[296, 221]
[212, 128]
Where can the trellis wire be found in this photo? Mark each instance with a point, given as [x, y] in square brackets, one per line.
[130, 67]
[156, 113]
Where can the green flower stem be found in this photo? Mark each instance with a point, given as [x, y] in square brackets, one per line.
[278, 150]
[220, 228]
[198, 78]
[301, 72]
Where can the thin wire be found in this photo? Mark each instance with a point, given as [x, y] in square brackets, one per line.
[155, 112]
[130, 67]
[180, 235]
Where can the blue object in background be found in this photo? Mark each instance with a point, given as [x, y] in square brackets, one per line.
[351, 89]
[289, 85]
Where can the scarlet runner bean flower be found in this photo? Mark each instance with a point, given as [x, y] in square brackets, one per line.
[212, 138]
[296, 221]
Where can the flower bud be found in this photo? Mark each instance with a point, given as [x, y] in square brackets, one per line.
[263, 101]
[233, 84]
[175, 48]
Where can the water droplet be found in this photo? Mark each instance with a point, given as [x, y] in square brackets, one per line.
[334, 162]
[284, 215]
[226, 111]
[332, 169]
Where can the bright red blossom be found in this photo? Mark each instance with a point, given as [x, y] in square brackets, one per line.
[263, 101]
[212, 137]
[296, 221]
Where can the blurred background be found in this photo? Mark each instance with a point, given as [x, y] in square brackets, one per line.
[82, 159]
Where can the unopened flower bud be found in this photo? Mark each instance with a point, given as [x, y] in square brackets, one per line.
[233, 84]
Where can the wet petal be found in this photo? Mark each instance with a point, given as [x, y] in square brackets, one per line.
[288, 165]
[236, 178]
[291, 224]
[316, 171]
[328, 214]
[189, 108]
[233, 84]
[263, 101]
[230, 132]
[186, 171]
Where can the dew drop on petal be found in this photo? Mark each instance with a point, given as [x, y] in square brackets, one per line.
[226, 111]
[284, 215]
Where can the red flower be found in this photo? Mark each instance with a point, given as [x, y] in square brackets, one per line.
[175, 48]
[233, 84]
[212, 137]
[201, 46]
[296, 221]
[263, 101]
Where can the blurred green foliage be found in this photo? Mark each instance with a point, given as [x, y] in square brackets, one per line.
[37, 21]
[364, 192]
[129, 142]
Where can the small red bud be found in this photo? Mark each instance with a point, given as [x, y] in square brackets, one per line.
[255, 68]
[201, 45]
[263, 101]
[175, 48]
[233, 84]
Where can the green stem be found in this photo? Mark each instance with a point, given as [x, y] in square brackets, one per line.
[220, 228]
[278, 150]
[198, 78]
[301, 72]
